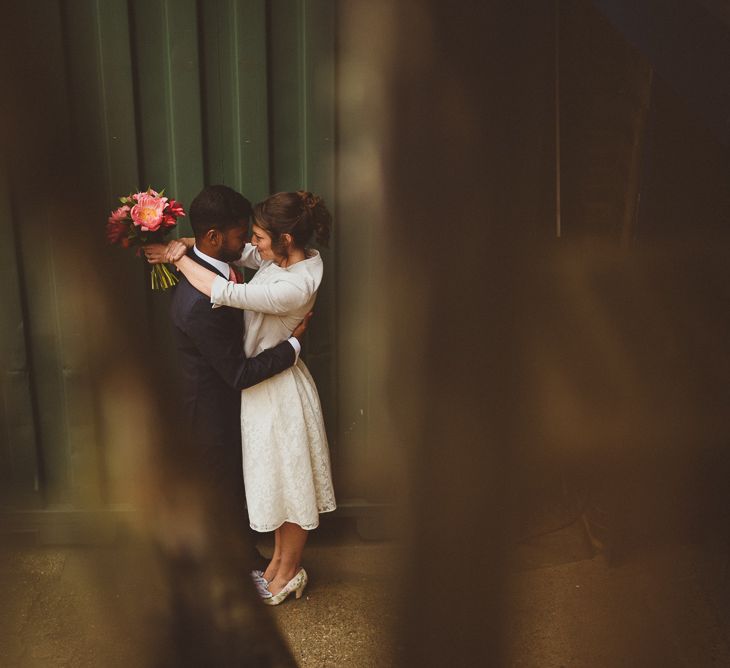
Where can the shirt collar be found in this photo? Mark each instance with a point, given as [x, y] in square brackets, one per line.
[223, 267]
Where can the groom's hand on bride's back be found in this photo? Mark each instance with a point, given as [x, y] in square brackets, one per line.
[299, 330]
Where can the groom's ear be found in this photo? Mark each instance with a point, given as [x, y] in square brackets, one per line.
[214, 237]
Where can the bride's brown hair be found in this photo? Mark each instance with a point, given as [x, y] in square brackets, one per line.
[300, 214]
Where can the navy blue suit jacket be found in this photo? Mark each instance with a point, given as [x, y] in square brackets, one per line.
[213, 370]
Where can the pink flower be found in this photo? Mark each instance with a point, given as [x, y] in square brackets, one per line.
[120, 214]
[147, 212]
[154, 193]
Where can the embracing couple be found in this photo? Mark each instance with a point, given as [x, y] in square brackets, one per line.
[248, 400]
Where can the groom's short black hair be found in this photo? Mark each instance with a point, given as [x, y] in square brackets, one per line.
[219, 208]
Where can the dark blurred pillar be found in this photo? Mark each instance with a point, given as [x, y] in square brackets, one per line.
[469, 192]
[516, 358]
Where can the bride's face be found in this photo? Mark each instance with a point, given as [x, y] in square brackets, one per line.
[262, 240]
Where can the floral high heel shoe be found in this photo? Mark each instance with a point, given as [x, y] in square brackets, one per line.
[296, 585]
[258, 576]
[261, 583]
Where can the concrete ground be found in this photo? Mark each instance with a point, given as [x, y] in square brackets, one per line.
[347, 612]
[106, 606]
[662, 606]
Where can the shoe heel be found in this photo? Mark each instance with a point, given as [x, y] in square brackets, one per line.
[298, 593]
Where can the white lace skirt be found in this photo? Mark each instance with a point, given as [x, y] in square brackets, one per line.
[286, 463]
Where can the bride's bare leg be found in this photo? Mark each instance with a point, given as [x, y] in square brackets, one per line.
[292, 539]
[273, 567]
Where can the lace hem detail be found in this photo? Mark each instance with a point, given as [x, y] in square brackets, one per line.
[306, 527]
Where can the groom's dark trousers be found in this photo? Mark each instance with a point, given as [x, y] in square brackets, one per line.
[213, 371]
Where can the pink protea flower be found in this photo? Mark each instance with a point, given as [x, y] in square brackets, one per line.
[154, 193]
[147, 212]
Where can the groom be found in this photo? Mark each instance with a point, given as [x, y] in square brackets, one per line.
[212, 364]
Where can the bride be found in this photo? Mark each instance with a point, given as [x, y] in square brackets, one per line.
[286, 466]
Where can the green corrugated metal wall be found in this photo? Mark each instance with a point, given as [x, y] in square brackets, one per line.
[177, 94]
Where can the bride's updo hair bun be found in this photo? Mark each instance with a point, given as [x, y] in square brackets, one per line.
[319, 215]
[309, 200]
[301, 214]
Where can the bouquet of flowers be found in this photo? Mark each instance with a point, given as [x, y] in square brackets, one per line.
[145, 218]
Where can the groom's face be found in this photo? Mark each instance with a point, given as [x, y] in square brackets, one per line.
[233, 241]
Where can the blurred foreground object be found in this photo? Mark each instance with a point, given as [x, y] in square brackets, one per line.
[529, 360]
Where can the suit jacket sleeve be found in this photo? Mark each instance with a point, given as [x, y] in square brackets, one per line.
[208, 331]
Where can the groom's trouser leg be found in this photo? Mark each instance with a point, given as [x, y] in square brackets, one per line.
[227, 519]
